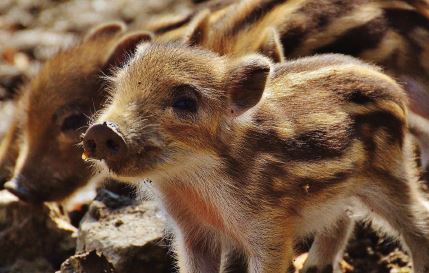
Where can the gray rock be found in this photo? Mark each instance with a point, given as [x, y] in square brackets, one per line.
[88, 262]
[33, 238]
[131, 238]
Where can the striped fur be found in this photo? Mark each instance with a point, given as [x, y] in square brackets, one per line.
[72, 80]
[392, 34]
[270, 149]
[298, 22]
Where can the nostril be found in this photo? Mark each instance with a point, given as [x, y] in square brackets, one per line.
[90, 146]
[103, 141]
[112, 145]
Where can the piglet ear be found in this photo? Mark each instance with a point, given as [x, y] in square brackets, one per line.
[198, 29]
[126, 48]
[247, 82]
[271, 46]
[109, 29]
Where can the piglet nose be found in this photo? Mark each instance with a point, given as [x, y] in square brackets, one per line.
[17, 187]
[102, 141]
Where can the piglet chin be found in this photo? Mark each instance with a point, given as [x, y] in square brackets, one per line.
[112, 170]
[102, 168]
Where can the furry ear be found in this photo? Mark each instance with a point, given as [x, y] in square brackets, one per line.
[126, 47]
[109, 29]
[271, 46]
[198, 29]
[247, 83]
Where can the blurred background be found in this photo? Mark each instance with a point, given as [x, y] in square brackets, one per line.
[32, 31]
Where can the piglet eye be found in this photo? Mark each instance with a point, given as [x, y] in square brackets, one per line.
[73, 122]
[185, 99]
[185, 104]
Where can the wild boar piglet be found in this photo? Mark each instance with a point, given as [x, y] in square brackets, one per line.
[40, 155]
[246, 156]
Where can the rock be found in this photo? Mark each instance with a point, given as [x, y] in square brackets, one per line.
[33, 238]
[88, 262]
[131, 238]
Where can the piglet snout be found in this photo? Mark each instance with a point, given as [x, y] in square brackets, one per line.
[17, 187]
[103, 141]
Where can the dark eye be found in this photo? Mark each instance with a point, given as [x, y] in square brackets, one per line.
[185, 99]
[185, 104]
[73, 122]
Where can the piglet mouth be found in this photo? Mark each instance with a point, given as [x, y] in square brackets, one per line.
[19, 189]
[104, 142]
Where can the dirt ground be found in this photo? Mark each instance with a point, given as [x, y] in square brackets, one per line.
[32, 31]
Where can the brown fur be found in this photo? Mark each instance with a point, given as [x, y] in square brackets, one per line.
[392, 34]
[266, 152]
[72, 80]
[53, 111]
[9, 149]
[57, 92]
[294, 25]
